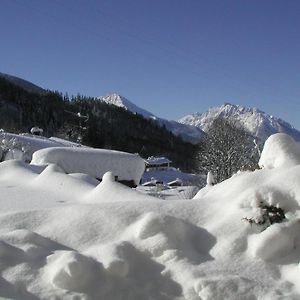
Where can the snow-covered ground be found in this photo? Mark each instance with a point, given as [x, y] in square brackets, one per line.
[66, 236]
[22, 146]
[170, 174]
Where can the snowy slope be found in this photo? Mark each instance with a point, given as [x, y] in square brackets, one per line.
[26, 85]
[22, 146]
[257, 122]
[121, 101]
[62, 236]
[187, 132]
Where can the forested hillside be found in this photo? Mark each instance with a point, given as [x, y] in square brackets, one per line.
[107, 126]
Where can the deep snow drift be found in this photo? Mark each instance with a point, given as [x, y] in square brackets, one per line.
[94, 162]
[64, 236]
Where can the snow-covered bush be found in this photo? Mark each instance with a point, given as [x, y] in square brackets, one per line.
[268, 215]
[12, 148]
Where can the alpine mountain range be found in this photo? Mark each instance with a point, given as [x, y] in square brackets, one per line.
[192, 127]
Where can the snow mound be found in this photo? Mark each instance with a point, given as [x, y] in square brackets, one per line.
[164, 234]
[231, 287]
[72, 271]
[94, 162]
[112, 256]
[63, 236]
[108, 190]
[280, 150]
[22, 146]
[276, 241]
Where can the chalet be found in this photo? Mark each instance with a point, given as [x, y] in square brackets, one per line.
[157, 163]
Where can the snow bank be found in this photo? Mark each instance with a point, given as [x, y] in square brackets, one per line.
[276, 241]
[72, 271]
[94, 162]
[22, 146]
[280, 150]
[63, 236]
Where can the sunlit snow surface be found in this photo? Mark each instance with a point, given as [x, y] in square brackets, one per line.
[64, 236]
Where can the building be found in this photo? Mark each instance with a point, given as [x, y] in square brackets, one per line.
[157, 163]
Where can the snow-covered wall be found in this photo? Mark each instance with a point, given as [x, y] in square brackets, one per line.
[95, 162]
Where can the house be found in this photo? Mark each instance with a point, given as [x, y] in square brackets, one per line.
[157, 163]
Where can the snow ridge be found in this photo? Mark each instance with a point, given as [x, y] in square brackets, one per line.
[257, 122]
[121, 101]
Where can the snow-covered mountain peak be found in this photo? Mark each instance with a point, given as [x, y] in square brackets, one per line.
[120, 101]
[114, 99]
[189, 133]
[257, 122]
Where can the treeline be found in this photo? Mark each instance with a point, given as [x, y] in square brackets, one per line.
[107, 126]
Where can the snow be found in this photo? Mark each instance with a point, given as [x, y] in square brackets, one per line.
[253, 120]
[187, 132]
[26, 143]
[170, 174]
[66, 236]
[280, 150]
[279, 236]
[94, 162]
[120, 101]
[157, 161]
[22, 146]
[210, 178]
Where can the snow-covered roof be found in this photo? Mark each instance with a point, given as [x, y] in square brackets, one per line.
[177, 181]
[95, 162]
[157, 160]
[150, 183]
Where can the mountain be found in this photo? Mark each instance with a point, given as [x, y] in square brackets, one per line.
[121, 101]
[108, 126]
[255, 121]
[26, 85]
[185, 131]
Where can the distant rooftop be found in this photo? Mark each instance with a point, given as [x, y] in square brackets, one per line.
[157, 160]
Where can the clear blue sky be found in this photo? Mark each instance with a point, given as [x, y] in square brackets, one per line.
[171, 57]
